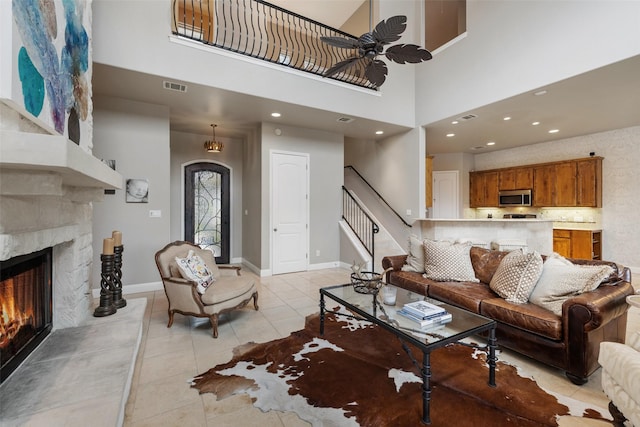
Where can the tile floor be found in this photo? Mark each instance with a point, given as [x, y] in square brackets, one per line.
[168, 358]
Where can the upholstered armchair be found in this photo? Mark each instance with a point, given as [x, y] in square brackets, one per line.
[203, 288]
[621, 375]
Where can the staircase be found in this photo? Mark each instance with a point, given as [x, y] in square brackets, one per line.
[393, 231]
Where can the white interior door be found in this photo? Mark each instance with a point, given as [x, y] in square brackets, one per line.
[289, 212]
[445, 194]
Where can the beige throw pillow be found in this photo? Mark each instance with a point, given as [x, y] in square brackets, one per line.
[561, 279]
[415, 257]
[446, 261]
[517, 275]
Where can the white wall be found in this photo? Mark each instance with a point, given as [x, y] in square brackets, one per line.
[119, 41]
[621, 180]
[187, 148]
[136, 136]
[326, 160]
[393, 166]
[516, 46]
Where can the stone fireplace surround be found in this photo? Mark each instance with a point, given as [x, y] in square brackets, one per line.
[47, 187]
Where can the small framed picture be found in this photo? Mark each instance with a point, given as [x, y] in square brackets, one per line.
[137, 190]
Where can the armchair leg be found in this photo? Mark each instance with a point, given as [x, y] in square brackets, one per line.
[618, 417]
[170, 318]
[214, 324]
[255, 300]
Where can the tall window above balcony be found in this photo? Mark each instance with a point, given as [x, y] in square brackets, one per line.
[444, 21]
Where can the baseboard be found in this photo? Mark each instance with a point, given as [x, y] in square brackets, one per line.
[324, 265]
[134, 289]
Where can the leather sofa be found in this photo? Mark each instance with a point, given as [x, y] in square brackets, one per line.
[570, 342]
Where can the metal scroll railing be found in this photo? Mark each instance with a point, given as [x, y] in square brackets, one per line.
[264, 31]
[359, 221]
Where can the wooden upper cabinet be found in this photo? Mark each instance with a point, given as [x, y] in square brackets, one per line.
[543, 184]
[483, 189]
[428, 181]
[515, 179]
[589, 182]
[565, 184]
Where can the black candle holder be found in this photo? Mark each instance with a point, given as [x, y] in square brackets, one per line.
[106, 307]
[118, 301]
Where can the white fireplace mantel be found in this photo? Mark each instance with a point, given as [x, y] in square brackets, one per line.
[34, 152]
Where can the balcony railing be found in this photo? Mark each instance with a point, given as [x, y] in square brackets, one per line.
[264, 31]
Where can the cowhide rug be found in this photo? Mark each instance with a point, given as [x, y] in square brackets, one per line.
[359, 374]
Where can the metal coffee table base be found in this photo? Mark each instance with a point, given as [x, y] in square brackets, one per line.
[426, 360]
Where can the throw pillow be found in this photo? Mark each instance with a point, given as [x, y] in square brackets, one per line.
[561, 279]
[192, 267]
[517, 275]
[415, 257]
[446, 261]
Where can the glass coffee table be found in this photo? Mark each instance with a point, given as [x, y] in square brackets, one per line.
[369, 307]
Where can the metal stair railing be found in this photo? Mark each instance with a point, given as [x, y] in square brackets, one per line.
[359, 221]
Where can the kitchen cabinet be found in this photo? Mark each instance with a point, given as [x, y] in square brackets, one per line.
[520, 178]
[589, 182]
[483, 189]
[568, 183]
[583, 244]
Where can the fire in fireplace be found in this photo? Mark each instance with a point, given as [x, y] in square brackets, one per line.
[25, 307]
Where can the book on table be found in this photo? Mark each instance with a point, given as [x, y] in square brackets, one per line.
[433, 320]
[423, 309]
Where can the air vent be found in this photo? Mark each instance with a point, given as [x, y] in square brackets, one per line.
[178, 87]
[345, 119]
[467, 117]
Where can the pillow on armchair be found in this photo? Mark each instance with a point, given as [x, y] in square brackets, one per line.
[192, 267]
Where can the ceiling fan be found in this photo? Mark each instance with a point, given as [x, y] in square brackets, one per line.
[370, 45]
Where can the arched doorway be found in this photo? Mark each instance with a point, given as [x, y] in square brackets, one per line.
[206, 208]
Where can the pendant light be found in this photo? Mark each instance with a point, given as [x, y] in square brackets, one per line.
[213, 146]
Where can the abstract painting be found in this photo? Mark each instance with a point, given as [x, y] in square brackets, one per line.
[49, 66]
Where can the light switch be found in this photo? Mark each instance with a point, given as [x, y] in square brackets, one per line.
[155, 214]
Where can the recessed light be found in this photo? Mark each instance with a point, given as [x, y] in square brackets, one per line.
[455, 122]
[379, 132]
[506, 118]
[535, 123]
[491, 143]
[276, 114]
[540, 92]
[554, 131]
[449, 135]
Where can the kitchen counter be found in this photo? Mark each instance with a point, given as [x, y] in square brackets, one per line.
[535, 233]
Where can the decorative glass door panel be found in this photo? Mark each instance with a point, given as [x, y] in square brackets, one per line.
[207, 208]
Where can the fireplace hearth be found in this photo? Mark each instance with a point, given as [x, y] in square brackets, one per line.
[25, 307]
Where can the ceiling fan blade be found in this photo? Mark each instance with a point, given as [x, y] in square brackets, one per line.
[341, 66]
[340, 42]
[376, 72]
[407, 53]
[390, 30]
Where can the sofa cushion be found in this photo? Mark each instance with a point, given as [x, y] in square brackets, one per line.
[516, 276]
[485, 262]
[528, 317]
[468, 295]
[562, 279]
[410, 281]
[192, 267]
[415, 256]
[446, 261]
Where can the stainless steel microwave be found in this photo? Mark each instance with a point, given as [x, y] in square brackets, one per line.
[514, 198]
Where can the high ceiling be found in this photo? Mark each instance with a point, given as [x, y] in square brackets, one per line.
[600, 100]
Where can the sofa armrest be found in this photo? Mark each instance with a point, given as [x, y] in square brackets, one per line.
[393, 263]
[592, 310]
